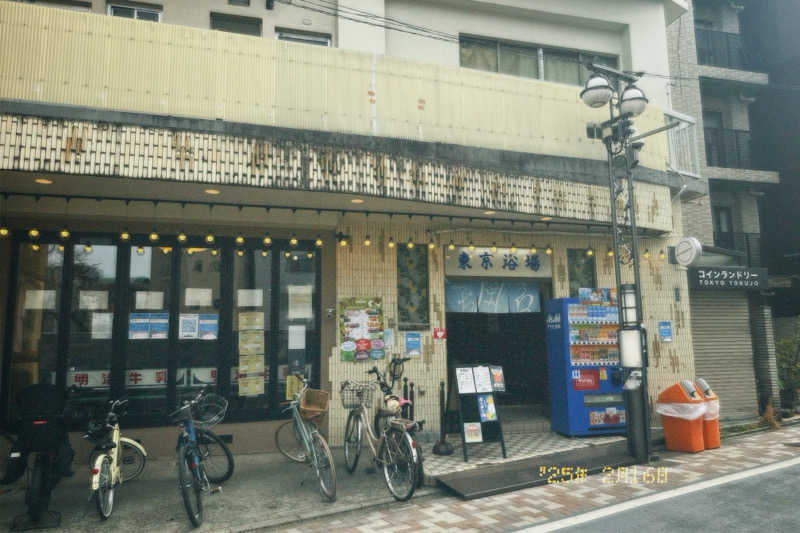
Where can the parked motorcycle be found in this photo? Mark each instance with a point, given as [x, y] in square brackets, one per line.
[42, 442]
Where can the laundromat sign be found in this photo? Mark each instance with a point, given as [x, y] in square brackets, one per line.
[728, 278]
[502, 262]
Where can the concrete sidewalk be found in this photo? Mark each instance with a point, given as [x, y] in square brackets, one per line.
[515, 510]
[265, 490]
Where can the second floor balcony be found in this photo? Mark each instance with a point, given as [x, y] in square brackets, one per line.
[729, 148]
[721, 49]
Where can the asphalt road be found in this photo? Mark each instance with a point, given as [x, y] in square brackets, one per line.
[768, 502]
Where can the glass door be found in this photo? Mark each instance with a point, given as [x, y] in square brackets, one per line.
[34, 349]
[198, 320]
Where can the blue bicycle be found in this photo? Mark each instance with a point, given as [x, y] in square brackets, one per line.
[195, 448]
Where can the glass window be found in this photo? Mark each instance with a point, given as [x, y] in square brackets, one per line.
[581, 269]
[298, 336]
[320, 39]
[239, 2]
[34, 350]
[412, 287]
[148, 331]
[252, 297]
[135, 13]
[94, 275]
[585, 59]
[561, 66]
[198, 321]
[519, 61]
[236, 24]
[481, 55]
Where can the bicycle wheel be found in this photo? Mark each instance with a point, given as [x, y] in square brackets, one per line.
[400, 464]
[217, 458]
[289, 442]
[352, 440]
[104, 494]
[131, 461]
[191, 488]
[323, 465]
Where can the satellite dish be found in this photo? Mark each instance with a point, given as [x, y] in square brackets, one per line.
[687, 251]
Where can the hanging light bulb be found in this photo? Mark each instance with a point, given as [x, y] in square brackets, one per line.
[182, 237]
[189, 251]
[610, 253]
[214, 251]
[64, 233]
[513, 248]
[494, 247]
[210, 237]
[294, 257]
[240, 252]
[87, 248]
[318, 242]
[166, 249]
[589, 252]
[4, 231]
[267, 240]
[647, 254]
[533, 249]
[286, 254]
[661, 254]
[153, 236]
[343, 242]
[263, 253]
[140, 250]
[33, 233]
[124, 236]
[431, 245]
[60, 247]
[309, 254]
[293, 240]
[451, 246]
[367, 241]
[239, 239]
[35, 247]
[471, 246]
[410, 243]
[390, 244]
[548, 250]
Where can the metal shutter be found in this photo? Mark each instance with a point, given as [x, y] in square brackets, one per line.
[723, 350]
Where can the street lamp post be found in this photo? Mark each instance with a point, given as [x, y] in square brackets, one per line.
[605, 87]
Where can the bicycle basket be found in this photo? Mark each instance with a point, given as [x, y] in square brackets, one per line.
[209, 410]
[313, 404]
[355, 394]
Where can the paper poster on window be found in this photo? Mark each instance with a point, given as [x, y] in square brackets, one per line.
[293, 386]
[498, 380]
[188, 326]
[297, 362]
[300, 302]
[251, 364]
[101, 325]
[251, 386]
[472, 432]
[139, 326]
[388, 339]
[251, 342]
[159, 325]
[297, 337]
[149, 300]
[486, 408]
[93, 300]
[483, 379]
[198, 297]
[251, 320]
[249, 298]
[465, 381]
[208, 327]
[38, 299]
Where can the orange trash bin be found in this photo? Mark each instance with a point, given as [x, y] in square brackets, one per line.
[711, 416]
[681, 407]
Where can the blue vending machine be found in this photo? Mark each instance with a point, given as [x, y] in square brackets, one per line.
[584, 372]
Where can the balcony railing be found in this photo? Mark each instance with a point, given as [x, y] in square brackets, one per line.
[721, 49]
[747, 243]
[730, 149]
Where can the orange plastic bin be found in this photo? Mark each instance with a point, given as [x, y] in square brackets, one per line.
[711, 415]
[681, 407]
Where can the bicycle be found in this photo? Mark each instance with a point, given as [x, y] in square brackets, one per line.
[114, 452]
[304, 443]
[192, 450]
[395, 450]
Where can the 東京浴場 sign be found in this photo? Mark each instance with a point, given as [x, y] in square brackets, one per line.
[728, 278]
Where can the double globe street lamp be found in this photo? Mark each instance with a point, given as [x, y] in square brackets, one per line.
[605, 88]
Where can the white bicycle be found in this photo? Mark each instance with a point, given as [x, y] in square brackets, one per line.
[116, 459]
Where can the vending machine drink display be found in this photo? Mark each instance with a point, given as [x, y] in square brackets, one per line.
[585, 379]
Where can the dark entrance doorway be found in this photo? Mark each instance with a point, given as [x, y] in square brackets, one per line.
[514, 340]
